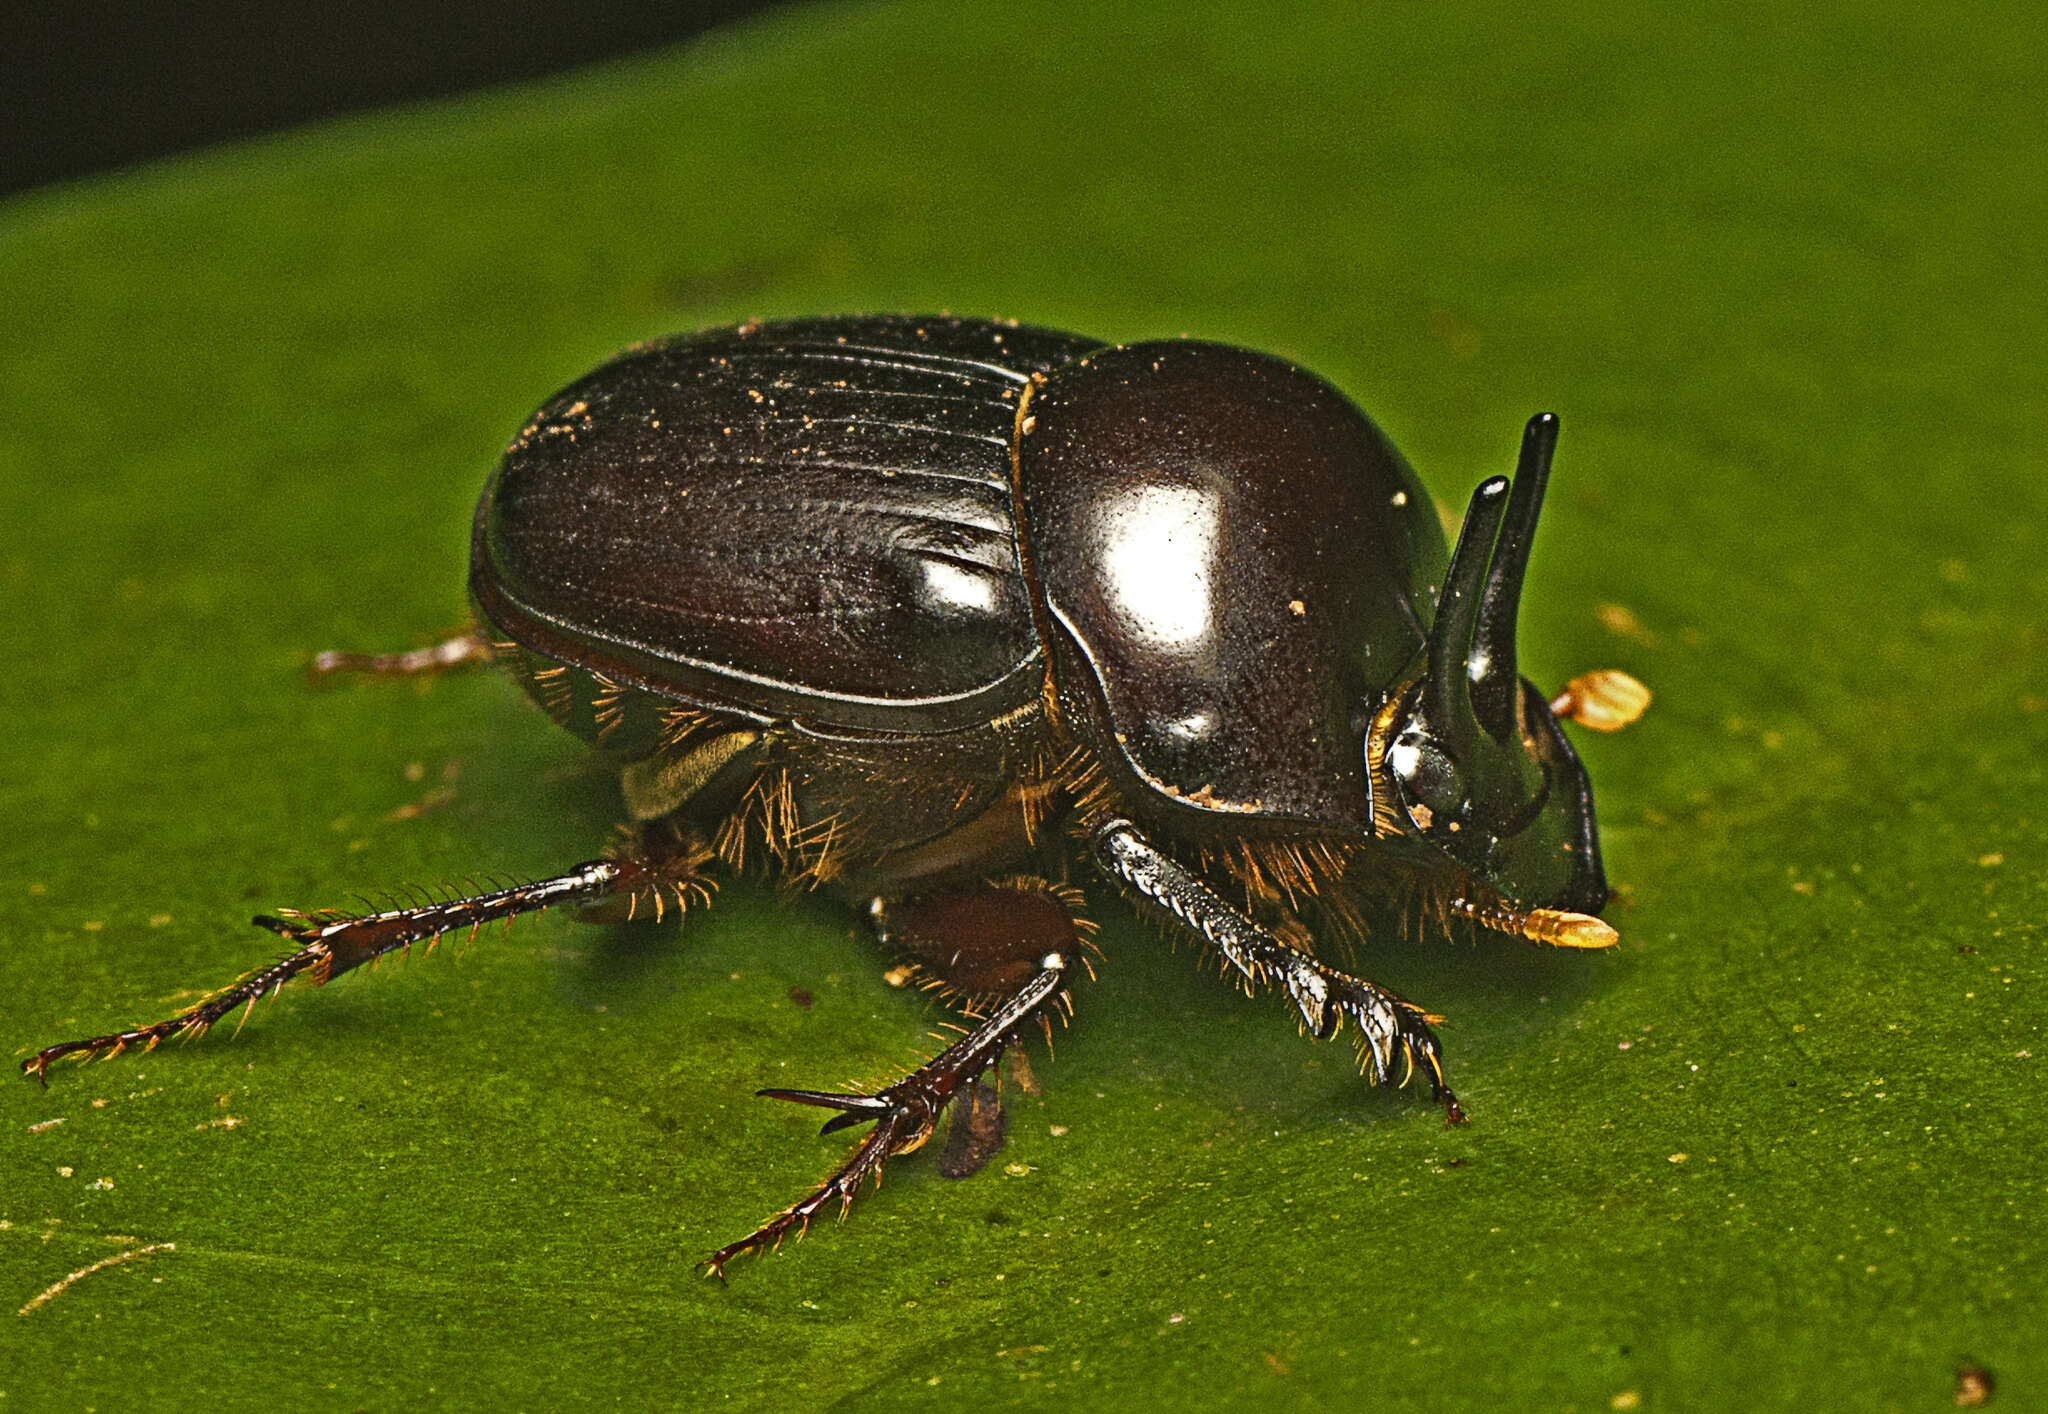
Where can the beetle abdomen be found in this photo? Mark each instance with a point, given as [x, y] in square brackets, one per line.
[808, 519]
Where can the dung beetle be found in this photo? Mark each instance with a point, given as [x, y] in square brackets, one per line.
[919, 609]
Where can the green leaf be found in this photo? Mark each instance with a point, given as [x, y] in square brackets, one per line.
[1781, 275]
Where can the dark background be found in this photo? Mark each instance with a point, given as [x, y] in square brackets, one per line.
[98, 84]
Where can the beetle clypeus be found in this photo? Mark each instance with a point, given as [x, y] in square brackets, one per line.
[899, 604]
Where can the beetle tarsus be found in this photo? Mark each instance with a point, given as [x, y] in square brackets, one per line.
[905, 1113]
[855, 1109]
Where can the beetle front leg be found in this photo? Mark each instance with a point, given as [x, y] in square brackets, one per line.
[1323, 995]
[330, 944]
[905, 1113]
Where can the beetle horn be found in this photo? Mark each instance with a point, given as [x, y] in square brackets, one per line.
[1447, 686]
[1496, 682]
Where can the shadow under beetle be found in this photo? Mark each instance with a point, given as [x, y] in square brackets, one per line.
[901, 604]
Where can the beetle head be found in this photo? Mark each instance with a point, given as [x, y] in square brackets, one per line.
[1480, 767]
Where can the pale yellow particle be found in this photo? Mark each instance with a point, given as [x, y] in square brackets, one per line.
[1603, 701]
[1620, 620]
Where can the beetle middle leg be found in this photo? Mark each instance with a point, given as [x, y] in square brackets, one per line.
[663, 867]
[459, 650]
[1005, 950]
[1323, 995]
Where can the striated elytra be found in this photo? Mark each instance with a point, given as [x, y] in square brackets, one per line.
[929, 610]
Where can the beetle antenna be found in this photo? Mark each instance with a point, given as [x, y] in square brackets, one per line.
[1447, 689]
[1496, 682]
[1560, 928]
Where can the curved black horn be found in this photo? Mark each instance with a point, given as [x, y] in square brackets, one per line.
[1447, 688]
[1496, 681]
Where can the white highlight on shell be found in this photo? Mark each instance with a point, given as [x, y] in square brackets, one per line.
[1158, 544]
[950, 587]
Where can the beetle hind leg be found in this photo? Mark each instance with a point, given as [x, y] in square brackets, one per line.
[1004, 950]
[328, 944]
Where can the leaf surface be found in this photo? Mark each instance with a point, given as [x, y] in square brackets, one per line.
[1782, 280]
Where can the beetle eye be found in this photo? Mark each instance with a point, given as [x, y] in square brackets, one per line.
[1431, 780]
